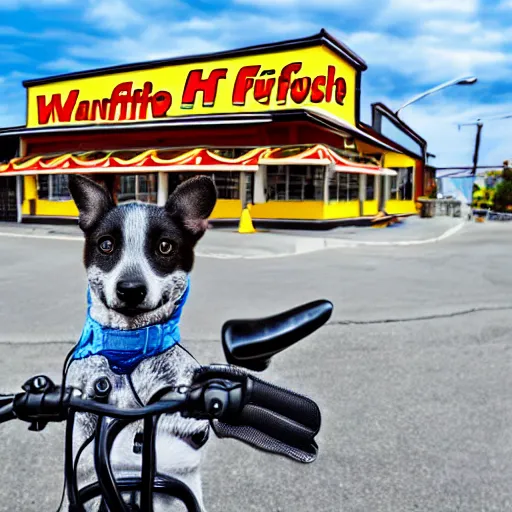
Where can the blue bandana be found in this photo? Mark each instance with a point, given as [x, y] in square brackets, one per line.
[125, 349]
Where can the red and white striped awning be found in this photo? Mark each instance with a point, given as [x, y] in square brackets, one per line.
[182, 160]
[320, 155]
[151, 160]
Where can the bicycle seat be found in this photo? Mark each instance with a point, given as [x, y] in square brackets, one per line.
[251, 343]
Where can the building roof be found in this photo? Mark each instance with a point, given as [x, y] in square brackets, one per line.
[393, 146]
[321, 38]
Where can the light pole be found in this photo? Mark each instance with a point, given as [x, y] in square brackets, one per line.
[479, 125]
[466, 80]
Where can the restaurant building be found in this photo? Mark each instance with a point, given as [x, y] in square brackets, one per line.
[277, 126]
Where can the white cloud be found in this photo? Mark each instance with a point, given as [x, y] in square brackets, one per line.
[192, 36]
[437, 121]
[456, 28]
[427, 58]
[64, 64]
[152, 44]
[12, 99]
[435, 6]
[113, 14]
[329, 4]
[470, 33]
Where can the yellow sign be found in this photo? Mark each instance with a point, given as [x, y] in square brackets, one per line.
[314, 77]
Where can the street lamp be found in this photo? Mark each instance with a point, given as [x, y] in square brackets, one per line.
[479, 125]
[466, 80]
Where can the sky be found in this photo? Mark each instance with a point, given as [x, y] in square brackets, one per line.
[409, 46]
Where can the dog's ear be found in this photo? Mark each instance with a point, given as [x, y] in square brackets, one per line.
[91, 199]
[192, 203]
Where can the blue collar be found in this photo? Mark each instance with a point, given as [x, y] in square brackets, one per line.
[125, 349]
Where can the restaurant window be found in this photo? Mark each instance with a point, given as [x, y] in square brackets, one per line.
[53, 187]
[227, 183]
[127, 188]
[147, 192]
[249, 187]
[276, 183]
[138, 187]
[295, 183]
[43, 186]
[344, 186]
[401, 185]
[370, 187]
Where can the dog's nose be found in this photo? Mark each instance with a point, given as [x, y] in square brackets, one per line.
[131, 293]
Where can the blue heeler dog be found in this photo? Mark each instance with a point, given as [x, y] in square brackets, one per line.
[138, 258]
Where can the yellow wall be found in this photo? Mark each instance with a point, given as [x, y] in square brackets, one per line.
[398, 160]
[44, 207]
[54, 208]
[301, 210]
[30, 187]
[394, 206]
[341, 210]
[310, 210]
[370, 208]
[227, 209]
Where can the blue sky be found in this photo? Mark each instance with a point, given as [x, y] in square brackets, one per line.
[409, 45]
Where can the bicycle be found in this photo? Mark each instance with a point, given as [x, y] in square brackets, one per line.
[237, 404]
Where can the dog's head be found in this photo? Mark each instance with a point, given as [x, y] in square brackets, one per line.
[138, 256]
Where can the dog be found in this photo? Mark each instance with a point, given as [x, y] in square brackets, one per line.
[138, 258]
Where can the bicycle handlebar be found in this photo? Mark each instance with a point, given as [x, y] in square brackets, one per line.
[238, 404]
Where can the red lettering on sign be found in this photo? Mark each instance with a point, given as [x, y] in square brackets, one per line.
[100, 109]
[317, 95]
[283, 83]
[82, 112]
[121, 97]
[243, 84]
[160, 103]
[263, 90]
[126, 103]
[54, 108]
[339, 85]
[195, 83]
[300, 89]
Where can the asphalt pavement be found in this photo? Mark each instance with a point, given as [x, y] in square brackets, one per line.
[412, 373]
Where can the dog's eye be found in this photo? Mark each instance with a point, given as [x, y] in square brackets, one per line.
[165, 247]
[106, 245]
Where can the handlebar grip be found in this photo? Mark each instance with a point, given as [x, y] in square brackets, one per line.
[293, 406]
[268, 417]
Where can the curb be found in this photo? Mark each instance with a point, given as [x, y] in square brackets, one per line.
[303, 245]
[312, 245]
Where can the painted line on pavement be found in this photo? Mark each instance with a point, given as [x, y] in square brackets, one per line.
[41, 237]
[304, 245]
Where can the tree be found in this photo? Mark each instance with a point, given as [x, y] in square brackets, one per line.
[503, 195]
